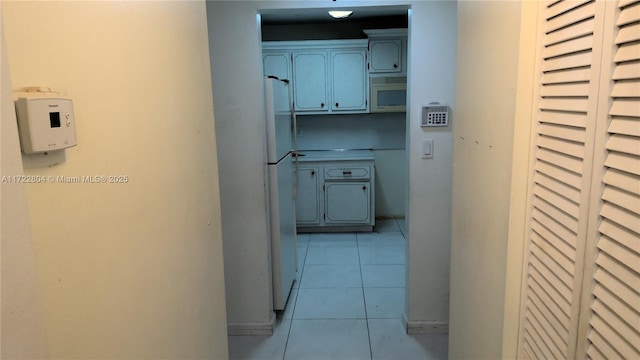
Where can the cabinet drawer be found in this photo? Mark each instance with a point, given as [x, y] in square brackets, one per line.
[347, 172]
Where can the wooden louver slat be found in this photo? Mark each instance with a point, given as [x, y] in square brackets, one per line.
[623, 200]
[552, 211]
[568, 18]
[568, 47]
[557, 270]
[627, 145]
[630, 13]
[574, 31]
[615, 319]
[568, 62]
[620, 217]
[563, 146]
[628, 34]
[627, 90]
[623, 348]
[558, 187]
[626, 71]
[555, 284]
[628, 52]
[625, 3]
[551, 349]
[558, 255]
[572, 179]
[564, 119]
[619, 261]
[625, 107]
[572, 75]
[559, 327]
[622, 180]
[562, 132]
[566, 89]
[561, 161]
[616, 322]
[560, 7]
[622, 162]
[622, 235]
[614, 303]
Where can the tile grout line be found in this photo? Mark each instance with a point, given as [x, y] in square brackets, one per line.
[286, 343]
[364, 299]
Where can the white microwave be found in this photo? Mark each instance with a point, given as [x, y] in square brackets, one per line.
[388, 94]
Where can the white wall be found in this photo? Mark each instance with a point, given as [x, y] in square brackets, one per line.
[126, 270]
[235, 50]
[236, 69]
[391, 183]
[22, 326]
[487, 75]
[432, 60]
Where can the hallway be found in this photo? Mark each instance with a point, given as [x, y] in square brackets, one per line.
[347, 303]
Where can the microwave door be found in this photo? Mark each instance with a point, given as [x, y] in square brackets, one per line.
[392, 97]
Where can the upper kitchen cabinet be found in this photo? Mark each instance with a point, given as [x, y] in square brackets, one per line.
[385, 56]
[310, 90]
[277, 63]
[349, 80]
[387, 52]
[329, 76]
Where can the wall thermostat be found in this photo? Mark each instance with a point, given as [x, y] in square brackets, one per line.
[45, 124]
[435, 115]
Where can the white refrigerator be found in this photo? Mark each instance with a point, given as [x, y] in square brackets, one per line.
[281, 188]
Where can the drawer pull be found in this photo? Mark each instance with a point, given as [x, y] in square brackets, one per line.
[346, 173]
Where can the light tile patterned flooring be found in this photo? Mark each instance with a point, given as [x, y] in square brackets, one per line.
[347, 303]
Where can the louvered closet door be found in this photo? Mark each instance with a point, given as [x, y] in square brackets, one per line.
[614, 320]
[565, 119]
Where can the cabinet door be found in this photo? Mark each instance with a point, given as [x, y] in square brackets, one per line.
[349, 80]
[307, 204]
[310, 79]
[386, 56]
[277, 64]
[347, 202]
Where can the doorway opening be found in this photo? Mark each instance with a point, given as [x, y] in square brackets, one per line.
[355, 279]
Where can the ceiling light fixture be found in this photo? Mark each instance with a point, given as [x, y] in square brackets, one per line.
[340, 14]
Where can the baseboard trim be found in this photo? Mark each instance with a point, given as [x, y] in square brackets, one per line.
[252, 328]
[425, 326]
[390, 217]
[333, 229]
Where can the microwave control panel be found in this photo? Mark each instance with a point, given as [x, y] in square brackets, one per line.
[435, 115]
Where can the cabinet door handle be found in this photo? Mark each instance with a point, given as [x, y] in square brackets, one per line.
[321, 104]
[364, 188]
[337, 105]
[313, 173]
[395, 66]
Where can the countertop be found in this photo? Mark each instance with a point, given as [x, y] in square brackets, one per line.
[333, 155]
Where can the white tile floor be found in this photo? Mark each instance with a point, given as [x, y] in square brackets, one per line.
[347, 303]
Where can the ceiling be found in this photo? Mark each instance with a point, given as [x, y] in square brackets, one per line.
[305, 16]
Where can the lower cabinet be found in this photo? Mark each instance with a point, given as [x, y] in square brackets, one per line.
[347, 203]
[307, 202]
[335, 194]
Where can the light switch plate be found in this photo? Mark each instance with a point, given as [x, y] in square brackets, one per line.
[427, 149]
